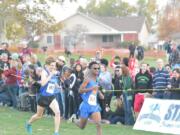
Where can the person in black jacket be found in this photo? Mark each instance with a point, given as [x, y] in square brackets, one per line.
[4, 49]
[175, 83]
[132, 48]
[117, 81]
[79, 79]
[67, 81]
[74, 97]
[140, 52]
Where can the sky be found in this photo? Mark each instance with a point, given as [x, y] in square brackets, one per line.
[61, 12]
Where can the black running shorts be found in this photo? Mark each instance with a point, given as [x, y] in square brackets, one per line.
[45, 101]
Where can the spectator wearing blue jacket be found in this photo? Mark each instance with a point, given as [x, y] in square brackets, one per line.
[161, 80]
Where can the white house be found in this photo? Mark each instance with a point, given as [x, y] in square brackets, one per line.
[90, 31]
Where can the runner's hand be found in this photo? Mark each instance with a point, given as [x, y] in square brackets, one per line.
[96, 88]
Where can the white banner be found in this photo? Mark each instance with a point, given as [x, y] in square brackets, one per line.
[159, 115]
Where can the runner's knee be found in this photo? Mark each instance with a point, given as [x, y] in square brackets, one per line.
[57, 113]
[39, 116]
[98, 124]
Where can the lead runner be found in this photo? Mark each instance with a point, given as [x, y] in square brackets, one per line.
[89, 93]
[49, 82]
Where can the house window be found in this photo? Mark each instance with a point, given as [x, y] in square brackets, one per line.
[107, 38]
[49, 39]
[104, 38]
[111, 39]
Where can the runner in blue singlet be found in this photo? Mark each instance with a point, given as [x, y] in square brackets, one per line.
[49, 84]
[89, 92]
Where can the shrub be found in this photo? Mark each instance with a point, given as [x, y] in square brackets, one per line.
[125, 44]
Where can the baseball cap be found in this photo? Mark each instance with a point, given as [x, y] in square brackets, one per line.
[62, 58]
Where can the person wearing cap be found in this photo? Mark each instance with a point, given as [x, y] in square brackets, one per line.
[84, 64]
[61, 64]
[61, 67]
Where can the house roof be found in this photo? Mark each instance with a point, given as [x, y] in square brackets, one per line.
[121, 24]
[130, 23]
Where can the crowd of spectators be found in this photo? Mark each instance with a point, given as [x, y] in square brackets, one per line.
[132, 81]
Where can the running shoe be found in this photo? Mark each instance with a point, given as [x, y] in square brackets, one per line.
[56, 133]
[28, 128]
[72, 118]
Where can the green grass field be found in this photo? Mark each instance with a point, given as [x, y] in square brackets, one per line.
[12, 123]
[149, 60]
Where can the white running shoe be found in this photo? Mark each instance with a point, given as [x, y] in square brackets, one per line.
[72, 118]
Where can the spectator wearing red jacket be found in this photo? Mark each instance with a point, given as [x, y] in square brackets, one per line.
[11, 81]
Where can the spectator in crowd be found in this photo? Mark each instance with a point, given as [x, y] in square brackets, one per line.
[98, 56]
[68, 83]
[132, 48]
[24, 70]
[139, 52]
[167, 47]
[161, 80]
[1, 70]
[115, 61]
[26, 60]
[105, 80]
[44, 49]
[89, 91]
[169, 69]
[143, 80]
[26, 50]
[4, 65]
[79, 79]
[152, 70]
[117, 81]
[174, 58]
[127, 96]
[4, 49]
[118, 115]
[84, 64]
[49, 83]
[105, 83]
[61, 67]
[61, 64]
[175, 84]
[34, 85]
[67, 51]
[72, 63]
[4, 62]
[125, 61]
[133, 66]
[10, 77]
[35, 61]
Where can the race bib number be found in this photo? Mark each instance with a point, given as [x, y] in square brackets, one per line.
[92, 99]
[50, 88]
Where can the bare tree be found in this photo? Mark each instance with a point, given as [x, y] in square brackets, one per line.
[75, 37]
